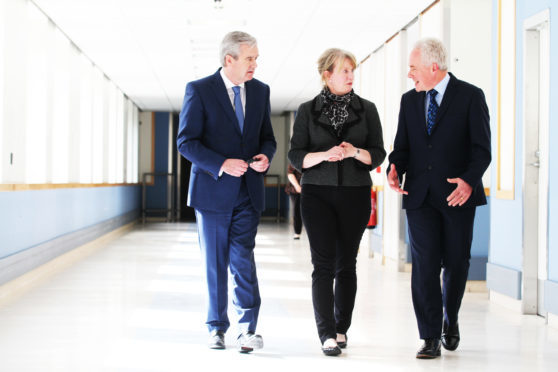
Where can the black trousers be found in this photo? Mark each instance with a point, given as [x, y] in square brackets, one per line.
[440, 239]
[334, 219]
[297, 217]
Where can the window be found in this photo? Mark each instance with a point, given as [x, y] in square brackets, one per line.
[86, 121]
[37, 120]
[60, 109]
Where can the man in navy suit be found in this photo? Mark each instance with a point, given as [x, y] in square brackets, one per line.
[225, 131]
[442, 146]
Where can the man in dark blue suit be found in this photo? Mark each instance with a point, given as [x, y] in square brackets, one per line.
[225, 131]
[442, 146]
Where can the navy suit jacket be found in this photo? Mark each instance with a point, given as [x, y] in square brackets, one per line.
[209, 134]
[459, 145]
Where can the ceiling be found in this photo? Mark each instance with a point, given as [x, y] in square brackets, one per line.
[151, 48]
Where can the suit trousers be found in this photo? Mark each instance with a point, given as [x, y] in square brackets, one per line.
[440, 239]
[227, 240]
[334, 218]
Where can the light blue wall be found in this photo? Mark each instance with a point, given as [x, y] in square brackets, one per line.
[506, 220]
[481, 231]
[29, 218]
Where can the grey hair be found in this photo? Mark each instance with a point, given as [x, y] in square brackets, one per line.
[231, 44]
[432, 51]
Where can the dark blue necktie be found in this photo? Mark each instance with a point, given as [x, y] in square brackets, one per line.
[238, 107]
[432, 111]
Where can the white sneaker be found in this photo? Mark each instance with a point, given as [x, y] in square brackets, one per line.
[249, 341]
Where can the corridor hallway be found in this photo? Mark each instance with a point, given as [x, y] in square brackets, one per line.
[137, 303]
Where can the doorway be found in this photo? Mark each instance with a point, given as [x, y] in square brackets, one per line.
[536, 62]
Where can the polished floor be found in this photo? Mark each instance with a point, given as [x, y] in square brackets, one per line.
[136, 303]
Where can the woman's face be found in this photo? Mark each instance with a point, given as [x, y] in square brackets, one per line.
[340, 81]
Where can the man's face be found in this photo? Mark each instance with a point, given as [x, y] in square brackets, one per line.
[424, 76]
[242, 69]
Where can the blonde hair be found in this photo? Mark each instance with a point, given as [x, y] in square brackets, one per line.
[331, 58]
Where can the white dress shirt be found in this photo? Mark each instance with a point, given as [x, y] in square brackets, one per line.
[229, 85]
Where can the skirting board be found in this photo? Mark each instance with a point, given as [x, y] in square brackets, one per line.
[503, 280]
[18, 264]
[551, 297]
[24, 282]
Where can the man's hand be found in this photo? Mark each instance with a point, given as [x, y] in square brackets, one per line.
[234, 167]
[260, 164]
[393, 181]
[461, 194]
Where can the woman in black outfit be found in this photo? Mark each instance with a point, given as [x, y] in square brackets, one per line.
[337, 140]
[293, 189]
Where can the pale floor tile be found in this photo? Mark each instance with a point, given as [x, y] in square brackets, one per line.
[138, 304]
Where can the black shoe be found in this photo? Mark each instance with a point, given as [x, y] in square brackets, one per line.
[331, 351]
[217, 340]
[342, 344]
[450, 336]
[430, 349]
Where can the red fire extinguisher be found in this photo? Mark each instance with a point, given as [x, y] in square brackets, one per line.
[373, 221]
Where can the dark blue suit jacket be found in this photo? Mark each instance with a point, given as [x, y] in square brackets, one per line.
[459, 145]
[209, 134]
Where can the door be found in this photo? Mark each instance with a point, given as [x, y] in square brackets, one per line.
[535, 162]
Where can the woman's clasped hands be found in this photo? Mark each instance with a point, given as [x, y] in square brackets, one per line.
[340, 152]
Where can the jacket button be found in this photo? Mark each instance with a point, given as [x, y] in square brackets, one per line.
[429, 167]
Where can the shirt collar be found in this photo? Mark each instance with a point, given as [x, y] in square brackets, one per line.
[442, 86]
[229, 84]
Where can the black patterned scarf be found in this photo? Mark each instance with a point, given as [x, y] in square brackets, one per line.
[335, 108]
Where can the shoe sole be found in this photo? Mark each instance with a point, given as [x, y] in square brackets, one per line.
[331, 351]
[250, 345]
[450, 348]
[245, 350]
[426, 356]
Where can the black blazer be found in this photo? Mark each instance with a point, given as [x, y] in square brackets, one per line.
[459, 145]
[312, 132]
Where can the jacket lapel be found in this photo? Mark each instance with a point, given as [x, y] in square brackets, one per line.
[420, 107]
[218, 86]
[446, 100]
[250, 105]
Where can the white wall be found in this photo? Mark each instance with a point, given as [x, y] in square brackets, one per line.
[470, 47]
[146, 139]
[282, 136]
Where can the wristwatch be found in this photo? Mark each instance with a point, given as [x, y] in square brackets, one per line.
[356, 153]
